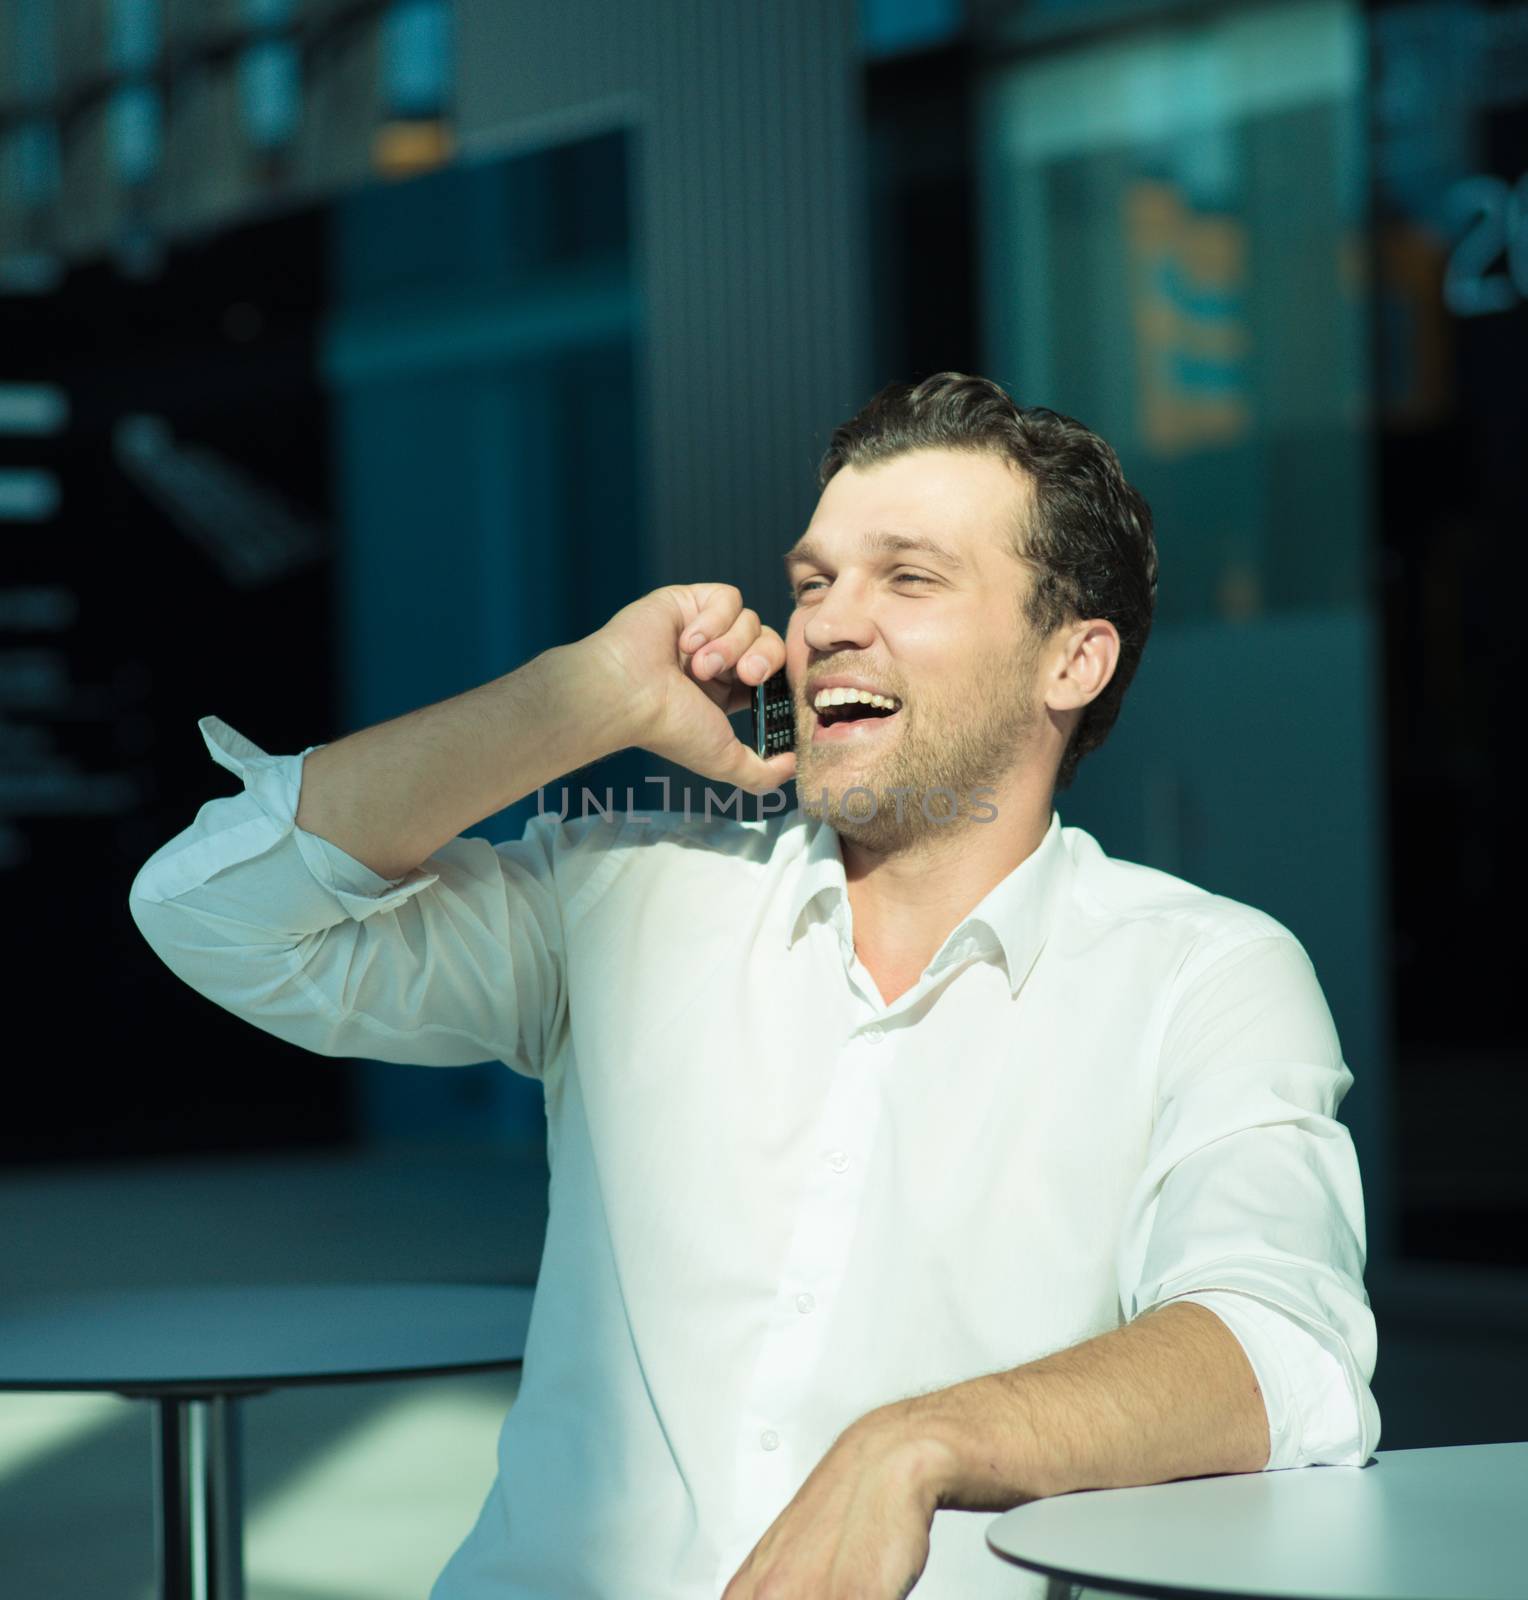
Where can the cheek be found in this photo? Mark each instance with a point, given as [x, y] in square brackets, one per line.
[795, 648]
[927, 651]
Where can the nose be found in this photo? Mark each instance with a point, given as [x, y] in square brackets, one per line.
[838, 621]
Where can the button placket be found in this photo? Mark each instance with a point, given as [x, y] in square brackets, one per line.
[829, 1199]
[821, 1240]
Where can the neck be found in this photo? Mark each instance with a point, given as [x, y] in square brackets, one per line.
[906, 903]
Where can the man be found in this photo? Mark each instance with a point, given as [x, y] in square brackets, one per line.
[911, 1158]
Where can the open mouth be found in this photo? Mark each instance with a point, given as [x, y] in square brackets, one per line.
[855, 711]
[851, 715]
[850, 712]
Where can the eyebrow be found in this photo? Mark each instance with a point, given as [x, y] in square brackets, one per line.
[879, 542]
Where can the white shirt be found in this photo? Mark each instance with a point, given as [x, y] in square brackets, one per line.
[777, 1202]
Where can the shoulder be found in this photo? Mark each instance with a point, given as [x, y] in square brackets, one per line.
[1125, 899]
[1237, 991]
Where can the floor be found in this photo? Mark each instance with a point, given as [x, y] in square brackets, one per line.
[364, 1491]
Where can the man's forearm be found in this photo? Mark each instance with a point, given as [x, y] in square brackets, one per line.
[1170, 1395]
[392, 794]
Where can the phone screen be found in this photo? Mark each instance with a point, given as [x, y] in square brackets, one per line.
[774, 716]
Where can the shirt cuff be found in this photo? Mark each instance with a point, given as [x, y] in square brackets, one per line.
[274, 783]
[1311, 1417]
[237, 829]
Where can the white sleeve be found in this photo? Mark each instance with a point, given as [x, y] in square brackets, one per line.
[1313, 1418]
[459, 961]
[1251, 1186]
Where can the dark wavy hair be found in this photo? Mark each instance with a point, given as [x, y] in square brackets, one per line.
[1089, 542]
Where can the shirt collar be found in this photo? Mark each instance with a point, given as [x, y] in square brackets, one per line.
[1015, 916]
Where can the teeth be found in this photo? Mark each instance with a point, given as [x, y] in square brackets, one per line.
[843, 697]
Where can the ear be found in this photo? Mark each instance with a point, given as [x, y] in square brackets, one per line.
[1084, 662]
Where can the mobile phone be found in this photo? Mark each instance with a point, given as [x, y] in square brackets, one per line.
[774, 716]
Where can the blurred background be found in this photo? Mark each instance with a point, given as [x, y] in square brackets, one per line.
[352, 352]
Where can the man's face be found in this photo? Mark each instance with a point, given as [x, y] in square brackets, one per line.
[938, 629]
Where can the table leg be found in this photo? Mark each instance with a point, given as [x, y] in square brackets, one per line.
[198, 1526]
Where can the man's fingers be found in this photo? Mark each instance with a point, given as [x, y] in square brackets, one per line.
[716, 655]
[764, 657]
[719, 604]
[731, 631]
[760, 658]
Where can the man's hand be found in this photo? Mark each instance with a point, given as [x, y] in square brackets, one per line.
[660, 651]
[857, 1529]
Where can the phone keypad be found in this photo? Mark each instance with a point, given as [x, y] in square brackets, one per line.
[774, 716]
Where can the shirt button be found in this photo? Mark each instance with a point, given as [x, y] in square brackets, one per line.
[804, 1302]
[838, 1161]
[873, 1035]
[769, 1439]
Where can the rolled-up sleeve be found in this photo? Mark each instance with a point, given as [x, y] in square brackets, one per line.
[459, 961]
[1250, 1201]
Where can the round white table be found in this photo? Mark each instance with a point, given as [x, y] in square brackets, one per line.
[1438, 1524]
[197, 1352]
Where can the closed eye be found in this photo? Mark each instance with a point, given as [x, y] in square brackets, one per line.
[901, 577]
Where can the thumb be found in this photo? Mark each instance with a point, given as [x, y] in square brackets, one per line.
[748, 771]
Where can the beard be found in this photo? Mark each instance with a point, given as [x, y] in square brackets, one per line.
[948, 757]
